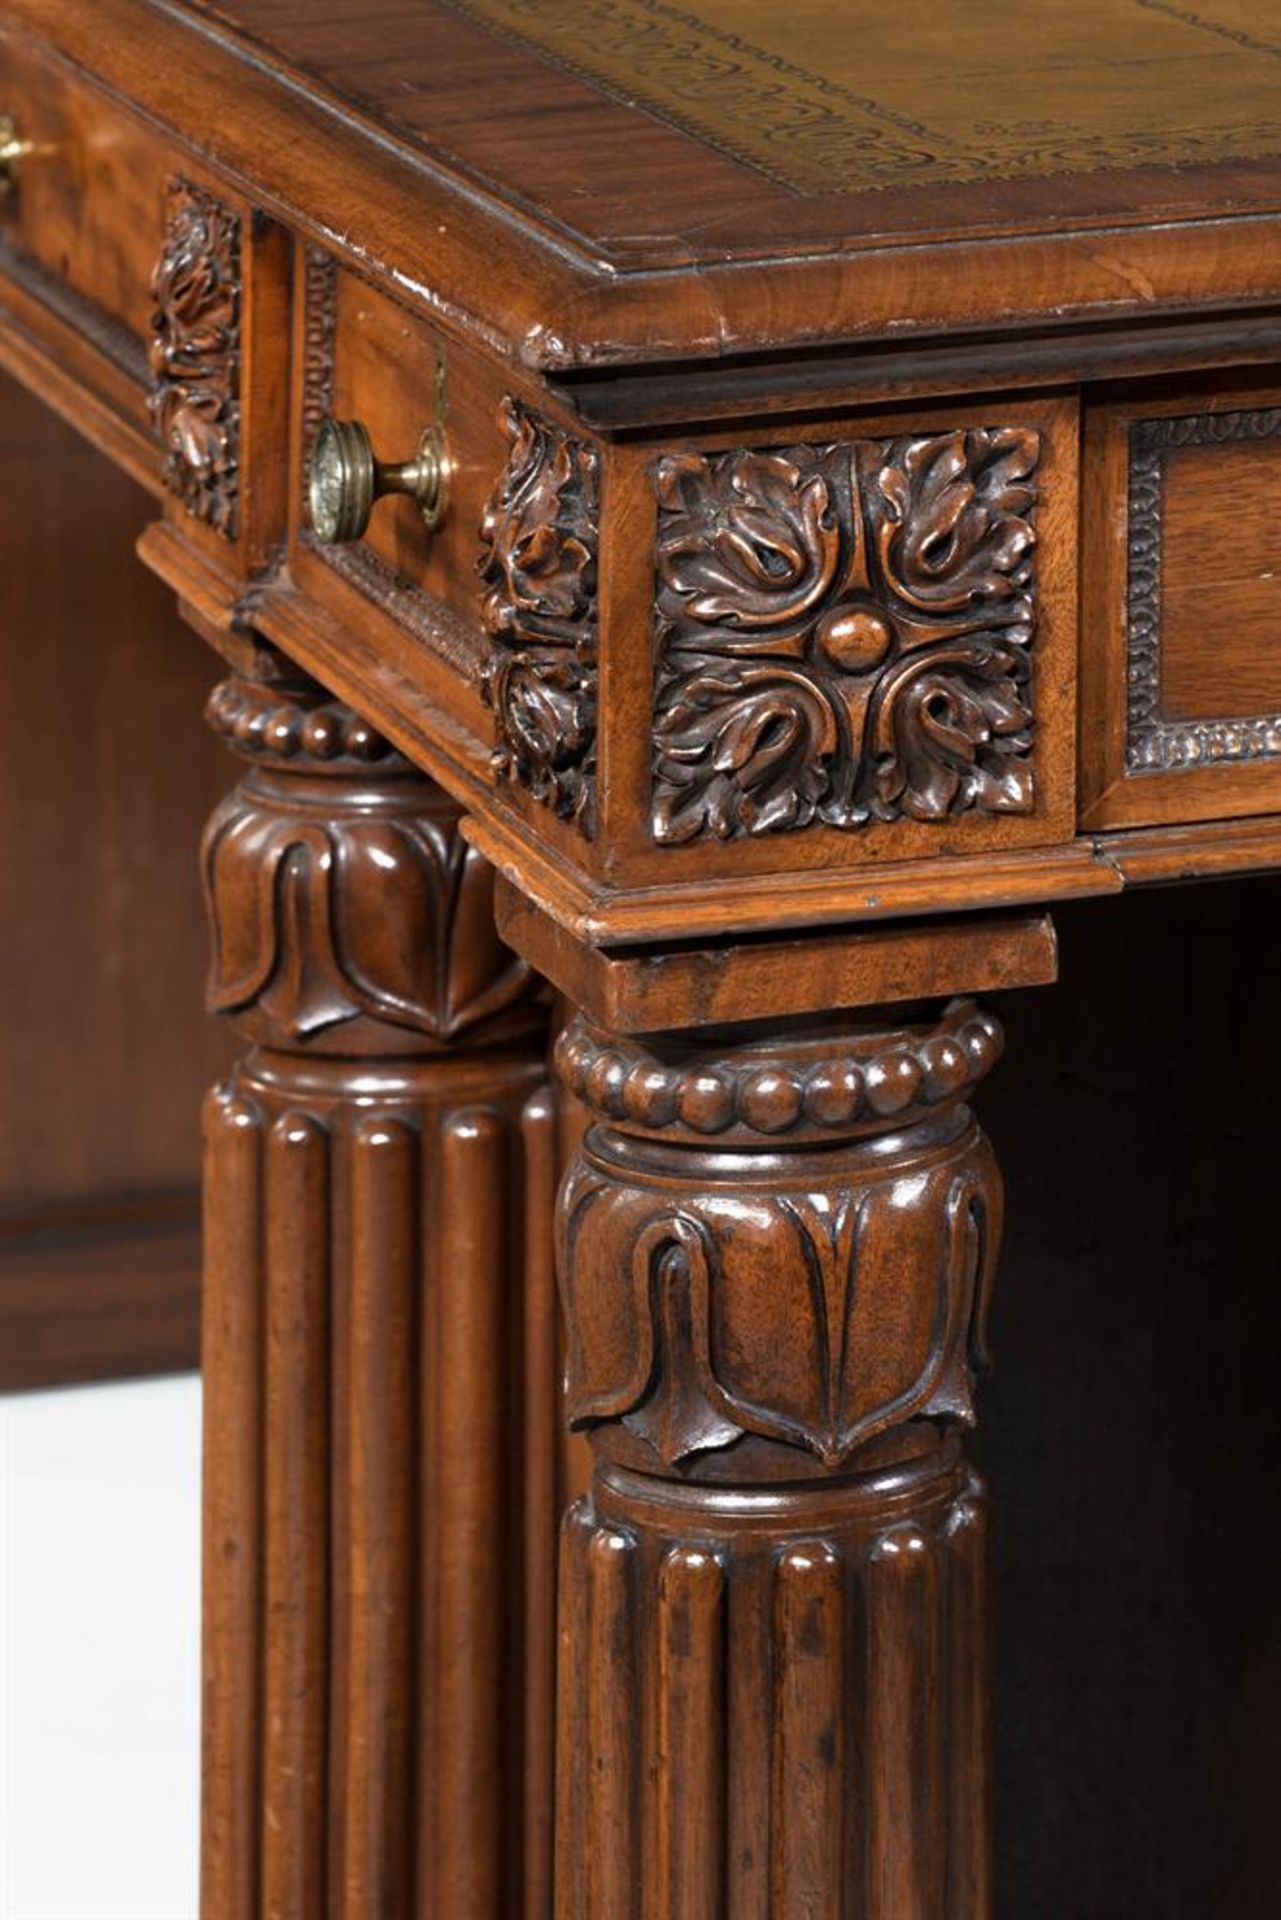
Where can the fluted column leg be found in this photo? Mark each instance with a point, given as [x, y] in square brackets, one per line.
[379, 1350]
[773, 1695]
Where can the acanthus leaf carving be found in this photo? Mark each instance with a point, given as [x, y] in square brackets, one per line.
[954, 731]
[539, 536]
[845, 633]
[954, 520]
[818, 1318]
[748, 540]
[195, 355]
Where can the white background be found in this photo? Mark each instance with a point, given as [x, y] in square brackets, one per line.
[99, 1652]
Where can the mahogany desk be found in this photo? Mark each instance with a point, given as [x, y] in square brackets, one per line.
[832, 456]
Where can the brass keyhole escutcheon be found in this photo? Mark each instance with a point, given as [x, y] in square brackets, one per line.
[345, 479]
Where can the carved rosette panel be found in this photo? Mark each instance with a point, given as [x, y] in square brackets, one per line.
[832, 1296]
[346, 910]
[195, 355]
[539, 533]
[844, 633]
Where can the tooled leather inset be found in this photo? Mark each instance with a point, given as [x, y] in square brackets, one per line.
[845, 633]
[850, 113]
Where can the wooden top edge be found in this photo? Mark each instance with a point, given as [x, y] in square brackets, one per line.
[1201, 850]
[403, 215]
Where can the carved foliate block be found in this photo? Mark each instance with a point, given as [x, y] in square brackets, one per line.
[844, 633]
[195, 355]
[538, 561]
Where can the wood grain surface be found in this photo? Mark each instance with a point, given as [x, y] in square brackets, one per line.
[860, 540]
[1179, 678]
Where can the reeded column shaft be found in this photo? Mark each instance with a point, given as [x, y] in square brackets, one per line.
[379, 1351]
[773, 1695]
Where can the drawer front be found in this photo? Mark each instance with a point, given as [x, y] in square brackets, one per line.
[1181, 661]
[87, 200]
[134, 272]
[412, 596]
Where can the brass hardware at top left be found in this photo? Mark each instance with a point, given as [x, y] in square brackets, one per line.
[12, 148]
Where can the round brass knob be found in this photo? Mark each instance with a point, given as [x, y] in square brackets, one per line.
[12, 148]
[346, 479]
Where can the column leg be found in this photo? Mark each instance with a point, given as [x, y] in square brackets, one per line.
[378, 1311]
[775, 1258]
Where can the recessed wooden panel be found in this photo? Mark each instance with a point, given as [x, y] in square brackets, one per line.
[1181, 569]
[106, 779]
[363, 356]
[1221, 580]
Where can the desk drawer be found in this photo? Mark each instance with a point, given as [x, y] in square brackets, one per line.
[87, 192]
[1181, 661]
[412, 595]
[129, 268]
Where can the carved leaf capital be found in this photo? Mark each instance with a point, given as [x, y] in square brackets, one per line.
[372, 916]
[815, 1315]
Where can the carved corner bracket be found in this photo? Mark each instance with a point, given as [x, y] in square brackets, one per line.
[195, 355]
[1155, 744]
[844, 633]
[538, 561]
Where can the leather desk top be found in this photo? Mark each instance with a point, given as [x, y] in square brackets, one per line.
[687, 181]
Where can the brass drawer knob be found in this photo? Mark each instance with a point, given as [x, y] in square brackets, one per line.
[346, 479]
[12, 148]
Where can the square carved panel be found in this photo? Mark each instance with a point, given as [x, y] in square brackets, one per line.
[862, 643]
